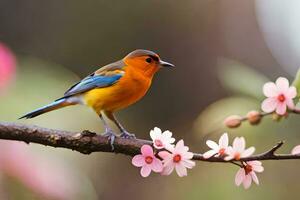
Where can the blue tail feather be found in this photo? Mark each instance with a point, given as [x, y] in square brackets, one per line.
[52, 106]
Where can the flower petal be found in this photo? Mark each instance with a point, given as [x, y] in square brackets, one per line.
[213, 145]
[254, 177]
[156, 165]
[147, 150]
[223, 141]
[180, 144]
[296, 150]
[230, 153]
[156, 132]
[138, 160]
[239, 144]
[145, 171]
[170, 147]
[230, 150]
[230, 157]
[164, 155]
[180, 148]
[187, 155]
[167, 134]
[258, 168]
[248, 152]
[188, 163]
[167, 137]
[209, 154]
[282, 84]
[181, 170]
[240, 176]
[152, 135]
[269, 105]
[270, 89]
[281, 108]
[171, 140]
[254, 162]
[291, 92]
[247, 181]
[290, 103]
[168, 168]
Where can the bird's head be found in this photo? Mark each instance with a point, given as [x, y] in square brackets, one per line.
[146, 61]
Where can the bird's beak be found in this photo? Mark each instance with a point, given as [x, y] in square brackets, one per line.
[165, 64]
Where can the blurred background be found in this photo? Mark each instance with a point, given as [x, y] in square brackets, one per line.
[224, 51]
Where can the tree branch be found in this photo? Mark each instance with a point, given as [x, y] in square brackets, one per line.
[88, 142]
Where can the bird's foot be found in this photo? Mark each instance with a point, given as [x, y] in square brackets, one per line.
[111, 137]
[127, 135]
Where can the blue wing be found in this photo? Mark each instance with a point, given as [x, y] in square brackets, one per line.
[91, 82]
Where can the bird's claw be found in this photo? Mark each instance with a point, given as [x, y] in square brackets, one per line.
[127, 135]
[111, 137]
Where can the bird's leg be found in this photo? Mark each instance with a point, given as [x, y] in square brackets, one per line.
[108, 132]
[124, 133]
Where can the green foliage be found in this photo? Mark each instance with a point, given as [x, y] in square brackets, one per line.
[296, 82]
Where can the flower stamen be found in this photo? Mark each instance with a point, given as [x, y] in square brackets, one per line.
[222, 151]
[248, 169]
[148, 159]
[281, 98]
[158, 143]
[177, 158]
[237, 156]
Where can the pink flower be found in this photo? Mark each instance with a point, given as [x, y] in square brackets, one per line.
[238, 151]
[147, 161]
[279, 96]
[217, 149]
[162, 140]
[246, 174]
[48, 178]
[296, 150]
[179, 158]
[7, 65]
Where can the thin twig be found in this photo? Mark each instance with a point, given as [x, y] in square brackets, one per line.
[234, 121]
[275, 148]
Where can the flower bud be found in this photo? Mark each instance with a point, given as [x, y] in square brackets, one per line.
[233, 121]
[254, 117]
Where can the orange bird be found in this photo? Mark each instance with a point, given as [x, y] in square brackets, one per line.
[111, 88]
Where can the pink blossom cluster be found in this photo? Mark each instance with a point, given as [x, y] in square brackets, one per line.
[169, 157]
[238, 150]
[166, 157]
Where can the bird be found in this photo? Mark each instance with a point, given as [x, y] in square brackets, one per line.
[111, 88]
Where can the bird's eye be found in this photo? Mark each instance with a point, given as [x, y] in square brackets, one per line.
[148, 60]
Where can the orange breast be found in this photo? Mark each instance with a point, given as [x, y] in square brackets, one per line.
[129, 89]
